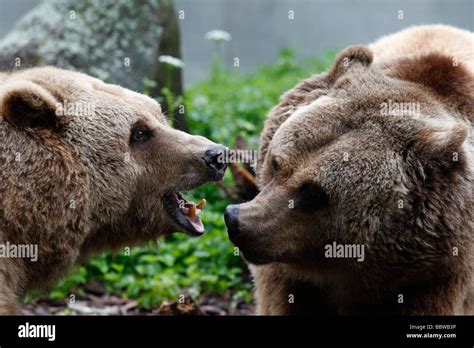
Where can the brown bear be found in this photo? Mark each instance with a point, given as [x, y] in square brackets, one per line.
[366, 176]
[87, 166]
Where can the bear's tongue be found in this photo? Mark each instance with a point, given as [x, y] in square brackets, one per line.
[197, 223]
[191, 211]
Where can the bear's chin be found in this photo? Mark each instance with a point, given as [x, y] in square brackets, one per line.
[256, 258]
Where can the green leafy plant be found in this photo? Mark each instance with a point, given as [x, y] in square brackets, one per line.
[171, 101]
[232, 104]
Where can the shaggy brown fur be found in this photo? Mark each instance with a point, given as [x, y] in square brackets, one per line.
[334, 167]
[78, 183]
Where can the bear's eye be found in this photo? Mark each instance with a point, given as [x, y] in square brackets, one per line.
[140, 134]
[311, 197]
[275, 166]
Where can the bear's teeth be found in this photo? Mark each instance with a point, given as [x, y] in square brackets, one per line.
[192, 210]
[201, 204]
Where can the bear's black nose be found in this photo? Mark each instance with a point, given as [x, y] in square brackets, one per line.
[215, 157]
[231, 217]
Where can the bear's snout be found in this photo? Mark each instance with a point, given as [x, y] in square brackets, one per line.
[215, 159]
[231, 217]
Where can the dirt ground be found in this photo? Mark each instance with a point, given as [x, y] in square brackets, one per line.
[95, 302]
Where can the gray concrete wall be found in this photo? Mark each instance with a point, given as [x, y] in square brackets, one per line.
[259, 28]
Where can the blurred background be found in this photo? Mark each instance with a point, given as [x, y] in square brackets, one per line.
[261, 28]
[217, 67]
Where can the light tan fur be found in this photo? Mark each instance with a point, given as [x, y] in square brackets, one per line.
[444, 39]
[75, 182]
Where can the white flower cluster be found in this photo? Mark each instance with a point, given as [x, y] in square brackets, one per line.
[218, 35]
[175, 62]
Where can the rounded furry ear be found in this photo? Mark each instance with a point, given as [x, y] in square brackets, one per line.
[28, 105]
[444, 75]
[350, 59]
[440, 139]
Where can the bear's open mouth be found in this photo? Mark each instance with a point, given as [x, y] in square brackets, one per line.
[185, 213]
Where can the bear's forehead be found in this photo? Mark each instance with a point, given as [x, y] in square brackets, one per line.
[69, 85]
[350, 117]
[310, 127]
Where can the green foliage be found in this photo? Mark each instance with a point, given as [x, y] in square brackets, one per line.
[148, 85]
[227, 105]
[167, 268]
[230, 104]
[172, 102]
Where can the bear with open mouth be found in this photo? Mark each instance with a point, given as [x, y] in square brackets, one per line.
[87, 166]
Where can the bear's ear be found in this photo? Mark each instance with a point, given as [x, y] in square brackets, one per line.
[440, 139]
[351, 59]
[447, 77]
[27, 105]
